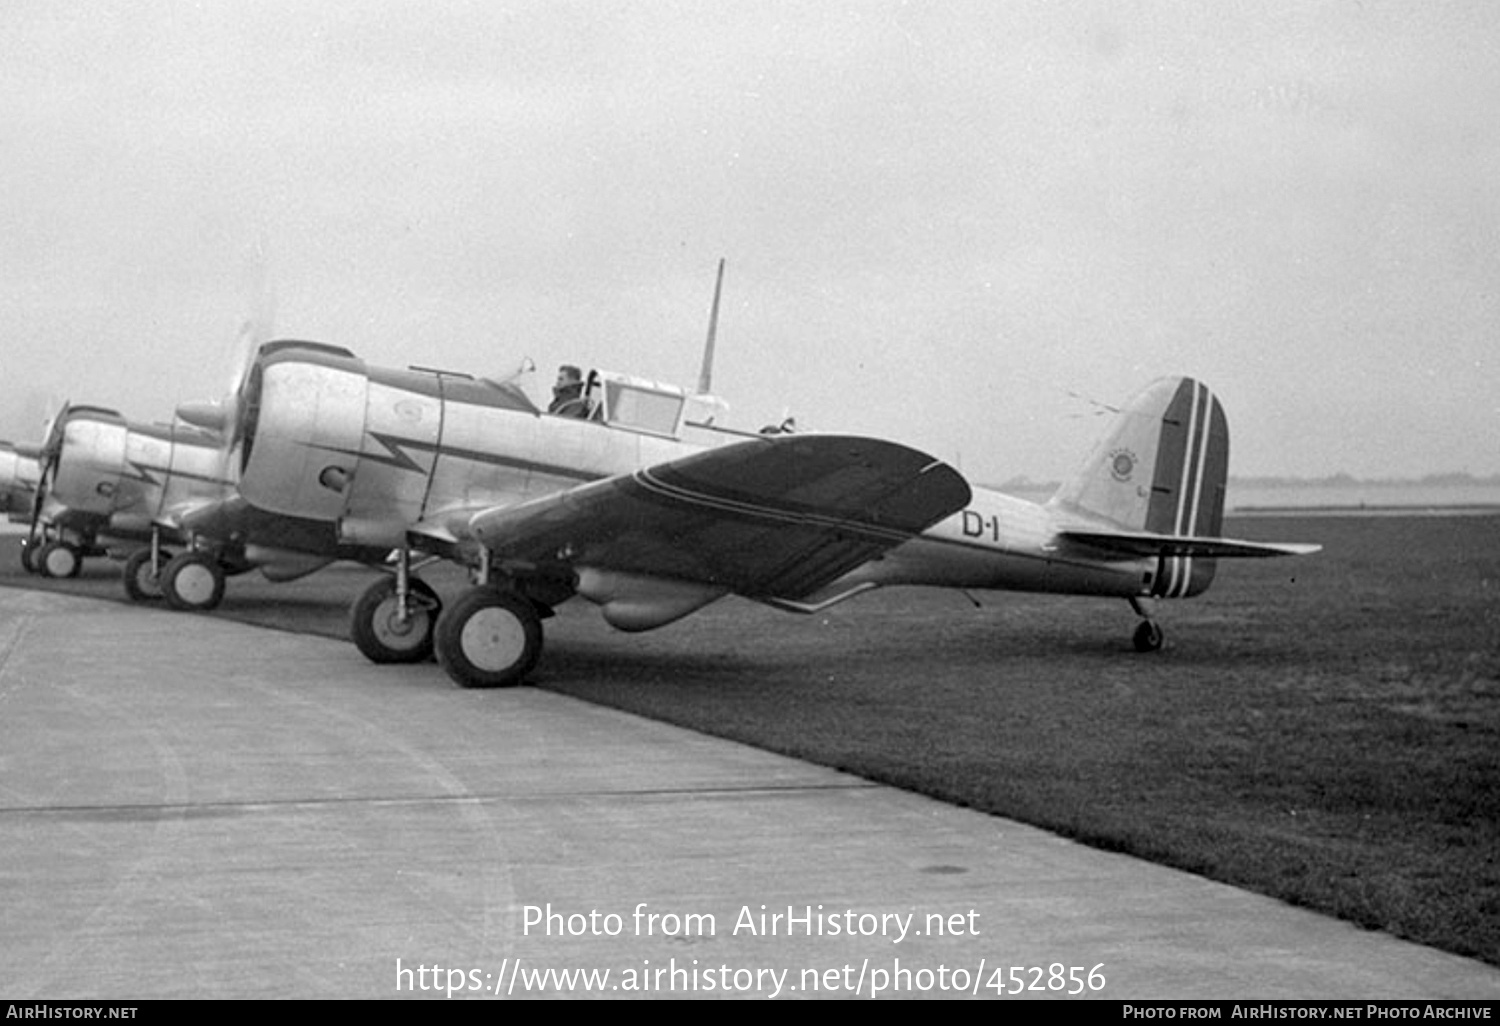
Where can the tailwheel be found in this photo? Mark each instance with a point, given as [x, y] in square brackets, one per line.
[382, 634]
[58, 559]
[193, 582]
[142, 582]
[489, 638]
[1148, 636]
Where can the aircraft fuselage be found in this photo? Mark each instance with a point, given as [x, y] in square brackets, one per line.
[382, 452]
[1001, 542]
[385, 454]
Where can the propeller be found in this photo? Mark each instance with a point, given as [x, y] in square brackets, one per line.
[47, 456]
[227, 416]
[220, 415]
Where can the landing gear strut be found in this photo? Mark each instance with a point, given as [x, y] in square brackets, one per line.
[1148, 634]
[143, 571]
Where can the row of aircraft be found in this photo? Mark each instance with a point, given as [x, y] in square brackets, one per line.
[648, 506]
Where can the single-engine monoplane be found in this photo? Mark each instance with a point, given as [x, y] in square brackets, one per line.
[111, 485]
[19, 475]
[650, 508]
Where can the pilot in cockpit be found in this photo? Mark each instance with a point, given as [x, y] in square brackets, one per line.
[568, 399]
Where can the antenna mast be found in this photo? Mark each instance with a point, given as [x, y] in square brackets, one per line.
[705, 376]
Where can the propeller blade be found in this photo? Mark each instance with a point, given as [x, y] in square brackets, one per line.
[47, 460]
[223, 415]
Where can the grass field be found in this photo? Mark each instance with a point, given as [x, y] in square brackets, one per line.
[1325, 730]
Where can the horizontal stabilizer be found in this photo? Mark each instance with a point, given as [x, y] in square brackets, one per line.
[1143, 544]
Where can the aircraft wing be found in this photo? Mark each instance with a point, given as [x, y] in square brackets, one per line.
[195, 509]
[449, 525]
[1135, 544]
[769, 517]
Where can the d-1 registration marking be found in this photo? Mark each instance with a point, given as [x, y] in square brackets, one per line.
[976, 525]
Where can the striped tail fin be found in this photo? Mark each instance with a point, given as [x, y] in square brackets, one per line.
[1160, 473]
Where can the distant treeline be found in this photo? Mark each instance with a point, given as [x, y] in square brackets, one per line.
[1022, 483]
[1342, 480]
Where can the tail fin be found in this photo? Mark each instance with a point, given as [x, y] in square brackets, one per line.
[1161, 470]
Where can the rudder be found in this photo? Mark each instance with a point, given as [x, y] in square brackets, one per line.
[1163, 468]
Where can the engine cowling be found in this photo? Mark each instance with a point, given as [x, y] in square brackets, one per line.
[90, 461]
[301, 419]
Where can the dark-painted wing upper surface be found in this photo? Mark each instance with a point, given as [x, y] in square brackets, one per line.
[773, 517]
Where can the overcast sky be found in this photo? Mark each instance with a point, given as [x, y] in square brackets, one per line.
[963, 225]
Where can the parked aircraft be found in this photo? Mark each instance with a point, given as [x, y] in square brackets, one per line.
[56, 541]
[19, 477]
[111, 484]
[651, 509]
[18, 480]
[107, 483]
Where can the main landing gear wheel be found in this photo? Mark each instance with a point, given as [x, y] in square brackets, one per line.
[58, 559]
[380, 633]
[1148, 637]
[489, 639]
[29, 550]
[140, 583]
[193, 582]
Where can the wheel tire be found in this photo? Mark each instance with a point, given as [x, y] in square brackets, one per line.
[192, 582]
[140, 584]
[489, 639]
[380, 635]
[29, 550]
[1148, 637]
[58, 560]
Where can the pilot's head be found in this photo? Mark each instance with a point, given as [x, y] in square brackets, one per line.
[568, 375]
